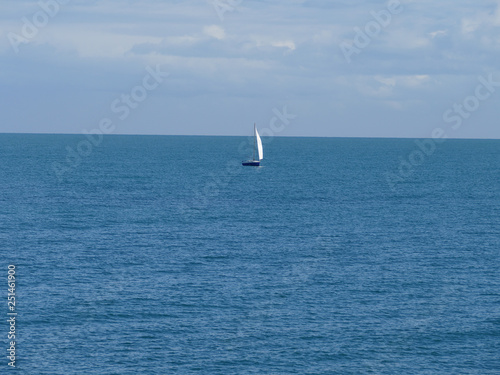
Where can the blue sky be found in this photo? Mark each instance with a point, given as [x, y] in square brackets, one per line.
[231, 63]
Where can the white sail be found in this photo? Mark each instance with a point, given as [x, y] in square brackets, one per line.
[259, 144]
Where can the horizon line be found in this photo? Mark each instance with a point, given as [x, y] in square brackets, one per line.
[226, 135]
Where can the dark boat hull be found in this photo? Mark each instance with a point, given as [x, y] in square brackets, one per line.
[251, 163]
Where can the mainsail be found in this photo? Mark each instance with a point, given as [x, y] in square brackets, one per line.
[259, 144]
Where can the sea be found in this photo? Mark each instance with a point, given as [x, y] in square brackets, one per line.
[164, 255]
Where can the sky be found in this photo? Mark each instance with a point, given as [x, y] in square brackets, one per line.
[336, 68]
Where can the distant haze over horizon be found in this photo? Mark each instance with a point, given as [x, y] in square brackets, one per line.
[247, 135]
[309, 68]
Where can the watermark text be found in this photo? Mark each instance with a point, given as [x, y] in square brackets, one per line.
[11, 315]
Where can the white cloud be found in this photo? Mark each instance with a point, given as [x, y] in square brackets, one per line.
[215, 31]
[414, 81]
[94, 43]
[482, 20]
[386, 81]
[470, 25]
[286, 43]
[438, 33]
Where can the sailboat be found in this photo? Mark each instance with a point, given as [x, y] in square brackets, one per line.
[257, 143]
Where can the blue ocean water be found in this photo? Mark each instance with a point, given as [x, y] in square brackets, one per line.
[163, 255]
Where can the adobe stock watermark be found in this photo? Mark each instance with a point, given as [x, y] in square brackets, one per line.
[223, 6]
[31, 26]
[121, 107]
[283, 117]
[454, 118]
[211, 190]
[372, 29]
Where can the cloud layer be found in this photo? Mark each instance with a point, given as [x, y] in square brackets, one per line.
[231, 62]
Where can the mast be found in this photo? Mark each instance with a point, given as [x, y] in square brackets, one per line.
[254, 140]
